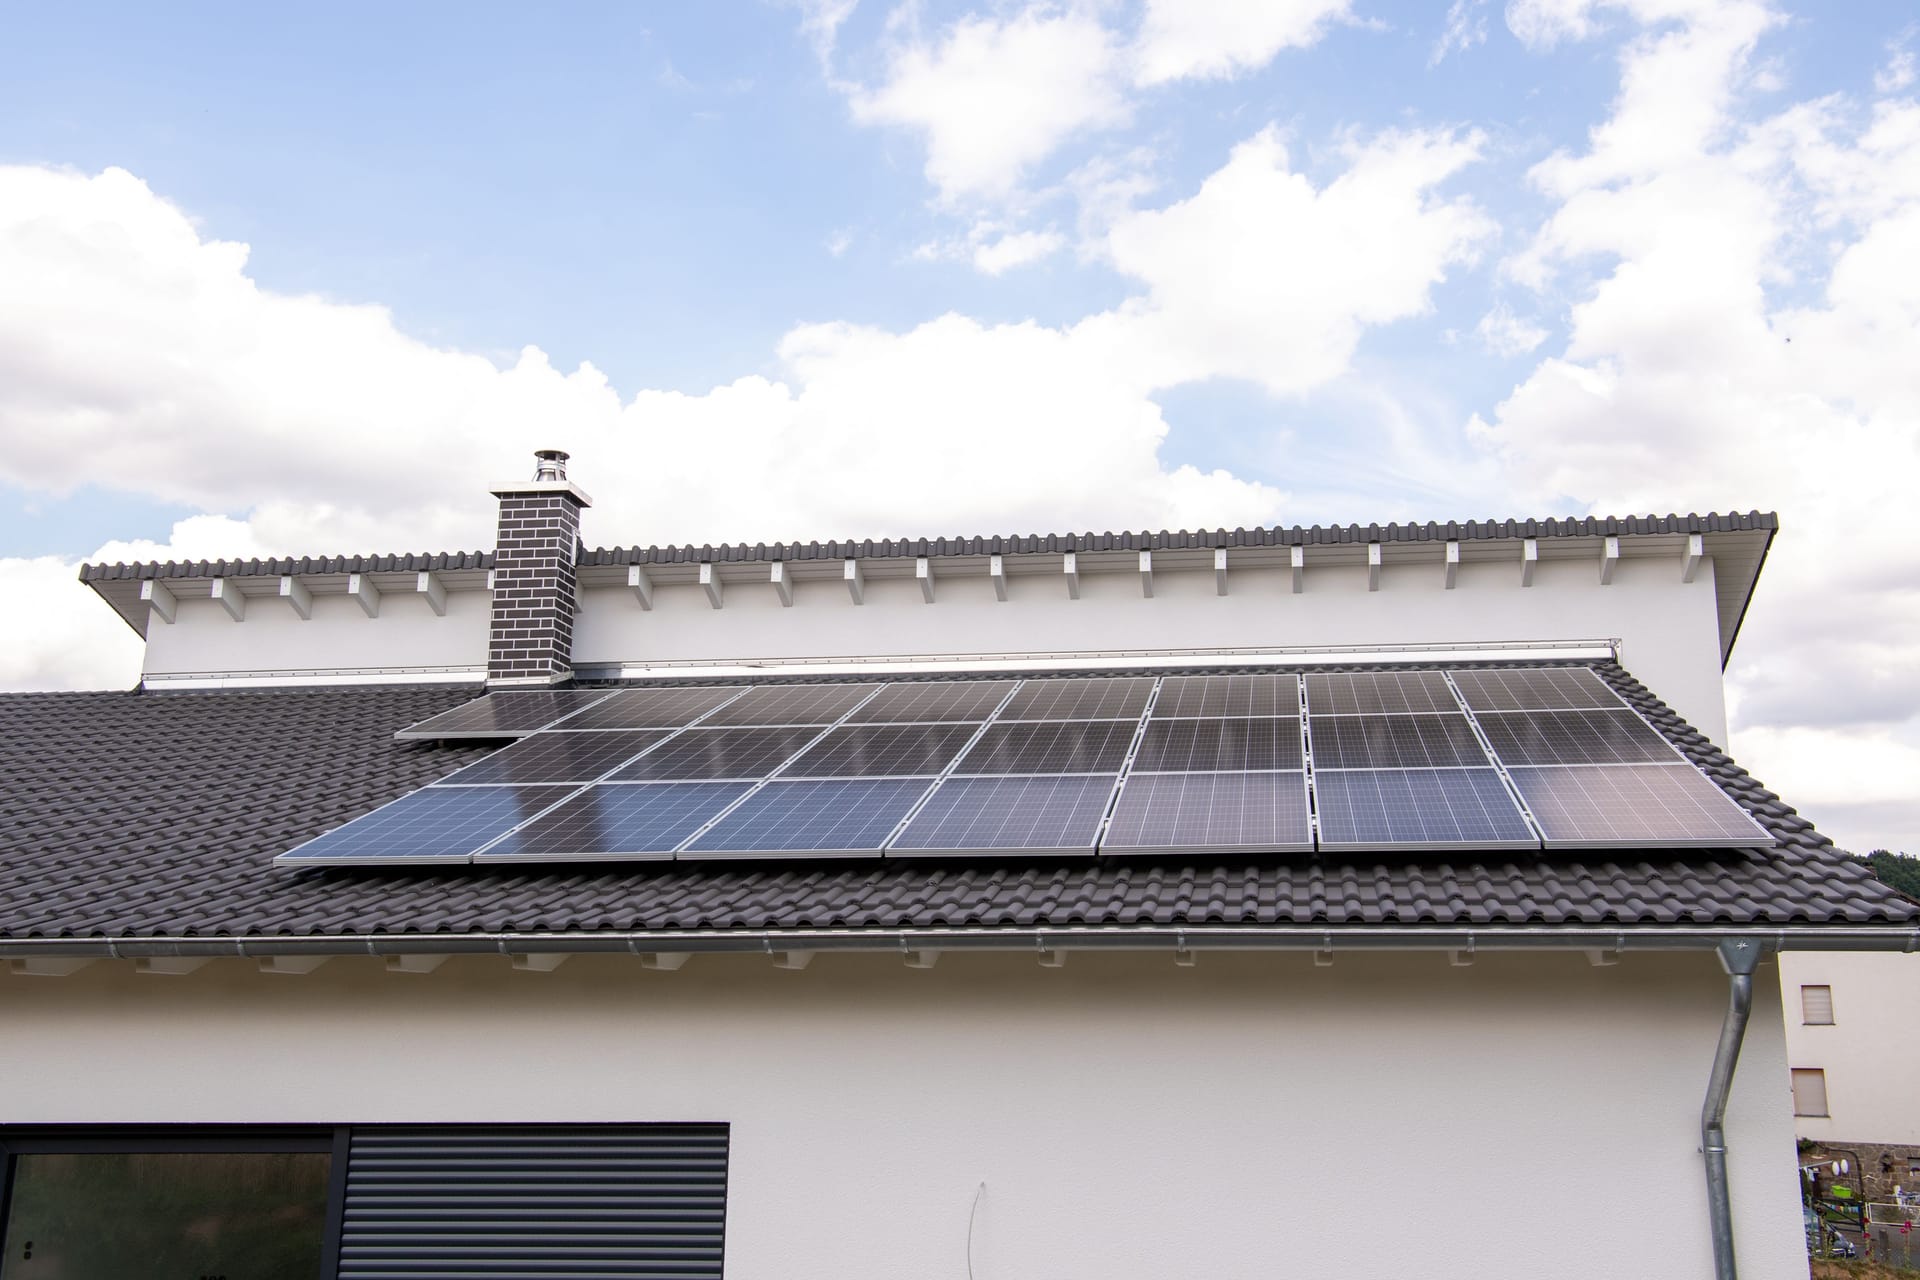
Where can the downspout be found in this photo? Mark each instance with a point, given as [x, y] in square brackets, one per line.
[1739, 957]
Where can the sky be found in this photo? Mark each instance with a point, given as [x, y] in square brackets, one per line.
[279, 281]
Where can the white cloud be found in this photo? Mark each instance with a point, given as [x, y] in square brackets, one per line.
[1466, 27]
[994, 97]
[1261, 275]
[1507, 335]
[1752, 337]
[1899, 72]
[1181, 39]
[1016, 249]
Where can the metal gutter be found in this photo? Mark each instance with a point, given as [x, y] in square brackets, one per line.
[1063, 938]
[1740, 957]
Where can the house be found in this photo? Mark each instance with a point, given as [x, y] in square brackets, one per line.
[1853, 1042]
[1372, 900]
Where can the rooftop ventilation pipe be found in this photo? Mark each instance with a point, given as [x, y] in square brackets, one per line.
[1739, 957]
[552, 464]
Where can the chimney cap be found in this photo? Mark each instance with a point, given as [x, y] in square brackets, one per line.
[552, 464]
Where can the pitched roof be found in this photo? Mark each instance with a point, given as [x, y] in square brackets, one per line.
[136, 815]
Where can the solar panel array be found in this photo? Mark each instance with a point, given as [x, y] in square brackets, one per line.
[1486, 758]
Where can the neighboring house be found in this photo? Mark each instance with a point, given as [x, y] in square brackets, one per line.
[1853, 1045]
[1358, 901]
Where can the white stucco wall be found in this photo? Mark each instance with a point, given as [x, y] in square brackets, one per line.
[1871, 1053]
[406, 636]
[1251, 1117]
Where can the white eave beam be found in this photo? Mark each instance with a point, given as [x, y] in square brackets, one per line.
[1146, 574]
[710, 583]
[415, 963]
[667, 961]
[856, 582]
[1609, 557]
[48, 966]
[997, 572]
[433, 591]
[1453, 562]
[539, 961]
[297, 596]
[782, 583]
[226, 593]
[175, 966]
[1529, 557]
[641, 585]
[1689, 563]
[1070, 565]
[923, 574]
[793, 960]
[360, 587]
[1298, 559]
[1373, 566]
[1219, 571]
[291, 964]
[159, 599]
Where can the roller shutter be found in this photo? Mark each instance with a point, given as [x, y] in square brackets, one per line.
[538, 1202]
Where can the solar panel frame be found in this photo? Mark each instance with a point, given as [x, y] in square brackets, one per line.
[882, 751]
[1410, 808]
[556, 757]
[1421, 741]
[1079, 698]
[665, 708]
[678, 809]
[1025, 815]
[718, 754]
[434, 826]
[1140, 812]
[1260, 744]
[841, 812]
[1573, 688]
[1420, 691]
[481, 719]
[1228, 696]
[934, 702]
[1619, 736]
[1050, 747]
[1590, 806]
[772, 705]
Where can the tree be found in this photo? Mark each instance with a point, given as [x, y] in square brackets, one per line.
[1897, 871]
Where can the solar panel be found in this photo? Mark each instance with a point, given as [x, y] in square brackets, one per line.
[434, 825]
[1368, 693]
[1102, 698]
[1080, 746]
[928, 700]
[718, 753]
[1535, 689]
[1395, 742]
[1248, 812]
[558, 757]
[1008, 815]
[1417, 808]
[1575, 737]
[880, 750]
[1605, 805]
[1250, 695]
[509, 714]
[651, 708]
[837, 816]
[1190, 746]
[624, 821]
[792, 704]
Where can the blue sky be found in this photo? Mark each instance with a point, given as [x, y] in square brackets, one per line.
[1301, 261]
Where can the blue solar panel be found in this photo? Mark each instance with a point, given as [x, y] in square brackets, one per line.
[439, 824]
[558, 757]
[1248, 812]
[627, 821]
[827, 816]
[1417, 808]
[1009, 815]
[1597, 806]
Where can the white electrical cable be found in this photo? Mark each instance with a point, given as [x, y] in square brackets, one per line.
[971, 1214]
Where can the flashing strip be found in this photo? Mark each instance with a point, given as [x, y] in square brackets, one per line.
[303, 679]
[1314, 938]
[1115, 659]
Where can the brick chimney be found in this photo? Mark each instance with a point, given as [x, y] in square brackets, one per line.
[530, 642]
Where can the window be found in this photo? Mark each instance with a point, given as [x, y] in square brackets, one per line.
[180, 1206]
[1816, 1006]
[1809, 1091]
